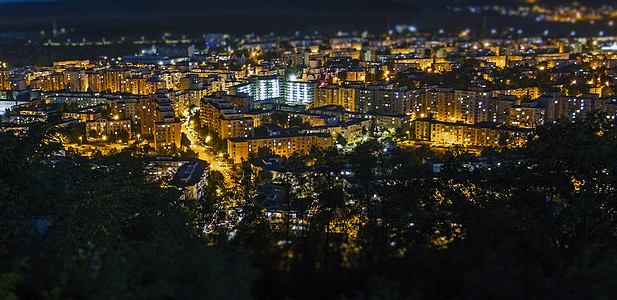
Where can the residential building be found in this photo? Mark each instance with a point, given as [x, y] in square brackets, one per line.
[240, 148]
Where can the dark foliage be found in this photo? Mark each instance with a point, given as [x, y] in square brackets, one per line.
[538, 222]
[77, 228]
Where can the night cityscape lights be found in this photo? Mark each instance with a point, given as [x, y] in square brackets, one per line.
[333, 149]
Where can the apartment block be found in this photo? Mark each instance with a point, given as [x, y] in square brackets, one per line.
[240, 148]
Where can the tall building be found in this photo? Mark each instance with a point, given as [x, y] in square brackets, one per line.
[335, 95]
[126, 108]
[4, 76]
[471, 107]
[449, 105]
[167, 129]
[114, 80]
[75, 80]
[500, 107]
[527, 115]
[51, 82]
[263, 88]
[154, 84]
[147, 116]
[240, 148]
[240, 102]
[167, 134]
[484, 134]
[95, 81]
[270, 87]
[135, 85]
[572, 107]
[298, 92]
[221, 117]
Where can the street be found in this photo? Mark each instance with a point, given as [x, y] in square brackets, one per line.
[206, 155]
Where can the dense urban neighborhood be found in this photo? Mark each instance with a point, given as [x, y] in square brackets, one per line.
[468, 163]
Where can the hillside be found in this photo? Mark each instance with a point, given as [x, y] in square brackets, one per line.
[117, 17]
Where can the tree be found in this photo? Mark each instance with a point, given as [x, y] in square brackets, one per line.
[123, 135]
[184, 141]
[73, 133]
[342, 75]
[281, 119]
[404, 80]
[93, 134]
[295, 122]
[188, 152]
[76, 228]
[261, 131]
[340, 139]
[262, 151]
[578, 178]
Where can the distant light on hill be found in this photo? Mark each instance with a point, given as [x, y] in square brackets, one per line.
[23, 1]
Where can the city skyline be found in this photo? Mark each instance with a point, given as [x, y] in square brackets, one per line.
[277, 149]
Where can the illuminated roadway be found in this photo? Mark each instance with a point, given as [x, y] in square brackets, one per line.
[205, 155]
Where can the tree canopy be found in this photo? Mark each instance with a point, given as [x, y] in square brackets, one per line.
[539, 221]
[78, 228]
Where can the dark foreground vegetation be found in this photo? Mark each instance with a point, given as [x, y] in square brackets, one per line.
[530, 223]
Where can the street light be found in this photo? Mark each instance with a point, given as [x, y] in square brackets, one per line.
[80, 142]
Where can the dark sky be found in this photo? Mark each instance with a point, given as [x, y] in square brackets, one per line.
[119, 17]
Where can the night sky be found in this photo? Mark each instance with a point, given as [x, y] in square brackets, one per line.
[117, 17]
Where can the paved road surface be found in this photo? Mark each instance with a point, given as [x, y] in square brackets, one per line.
[205, 154]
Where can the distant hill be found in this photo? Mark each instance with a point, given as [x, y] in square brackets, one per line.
[117, 16]
[120, 17]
